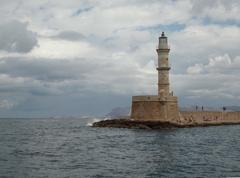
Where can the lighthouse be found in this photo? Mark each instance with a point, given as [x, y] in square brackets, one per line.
[163, 106]
[163, 66]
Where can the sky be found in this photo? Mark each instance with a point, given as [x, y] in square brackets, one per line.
[85, 57]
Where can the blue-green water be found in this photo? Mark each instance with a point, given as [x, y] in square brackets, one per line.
[70, 148]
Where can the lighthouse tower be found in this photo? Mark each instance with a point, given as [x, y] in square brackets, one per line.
[163, 106]
[163, 66]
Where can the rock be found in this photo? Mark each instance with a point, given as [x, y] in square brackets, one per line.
[138, 124]
[128, 123]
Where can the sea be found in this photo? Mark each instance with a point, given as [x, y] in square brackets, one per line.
[70, 147]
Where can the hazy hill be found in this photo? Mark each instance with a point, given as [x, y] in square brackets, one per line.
[119, 111]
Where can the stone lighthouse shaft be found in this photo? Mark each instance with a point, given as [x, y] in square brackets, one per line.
[163, 66]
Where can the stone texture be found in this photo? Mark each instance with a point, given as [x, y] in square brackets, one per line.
[155, 108]
[200, 117]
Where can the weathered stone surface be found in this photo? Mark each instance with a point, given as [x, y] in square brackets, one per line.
[155, 108]
[208, 117]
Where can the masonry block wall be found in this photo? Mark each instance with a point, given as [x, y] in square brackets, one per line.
[210, 116]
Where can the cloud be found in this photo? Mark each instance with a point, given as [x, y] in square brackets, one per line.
[197, 43]
[65, 48]
[218, 10]
[196, 69]
[5, 104]
[15, 37]
[78, 75]
[217, 65]
[206, 89]
[82, 10]
[214, 83]
[43, 69]
[59, 55]
[70, 35]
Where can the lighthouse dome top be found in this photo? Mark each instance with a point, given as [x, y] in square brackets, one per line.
[163, 35]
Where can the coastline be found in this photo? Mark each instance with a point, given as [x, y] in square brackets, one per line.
[150, 124]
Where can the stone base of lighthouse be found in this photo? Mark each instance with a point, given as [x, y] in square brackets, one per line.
[155, 108]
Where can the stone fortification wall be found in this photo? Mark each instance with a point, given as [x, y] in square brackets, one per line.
[210, 117]
[155, 108]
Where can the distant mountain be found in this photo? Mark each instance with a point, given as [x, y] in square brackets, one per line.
[119, 112]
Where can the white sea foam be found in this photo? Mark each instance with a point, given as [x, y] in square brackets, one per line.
[92, 120]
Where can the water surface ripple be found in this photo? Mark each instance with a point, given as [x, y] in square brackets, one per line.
[70, 148]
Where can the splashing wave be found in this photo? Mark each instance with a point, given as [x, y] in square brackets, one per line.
[90, 123]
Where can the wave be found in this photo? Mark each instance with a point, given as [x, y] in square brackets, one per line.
[90, 122]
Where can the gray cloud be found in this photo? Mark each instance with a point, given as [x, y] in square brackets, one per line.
[70, 35]
[6, 104]
[15, 37]
[218, 10]
[207, 89]
[43, 69]
[82, 10]
[218, 65]
[214, 83]
[28, 77]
